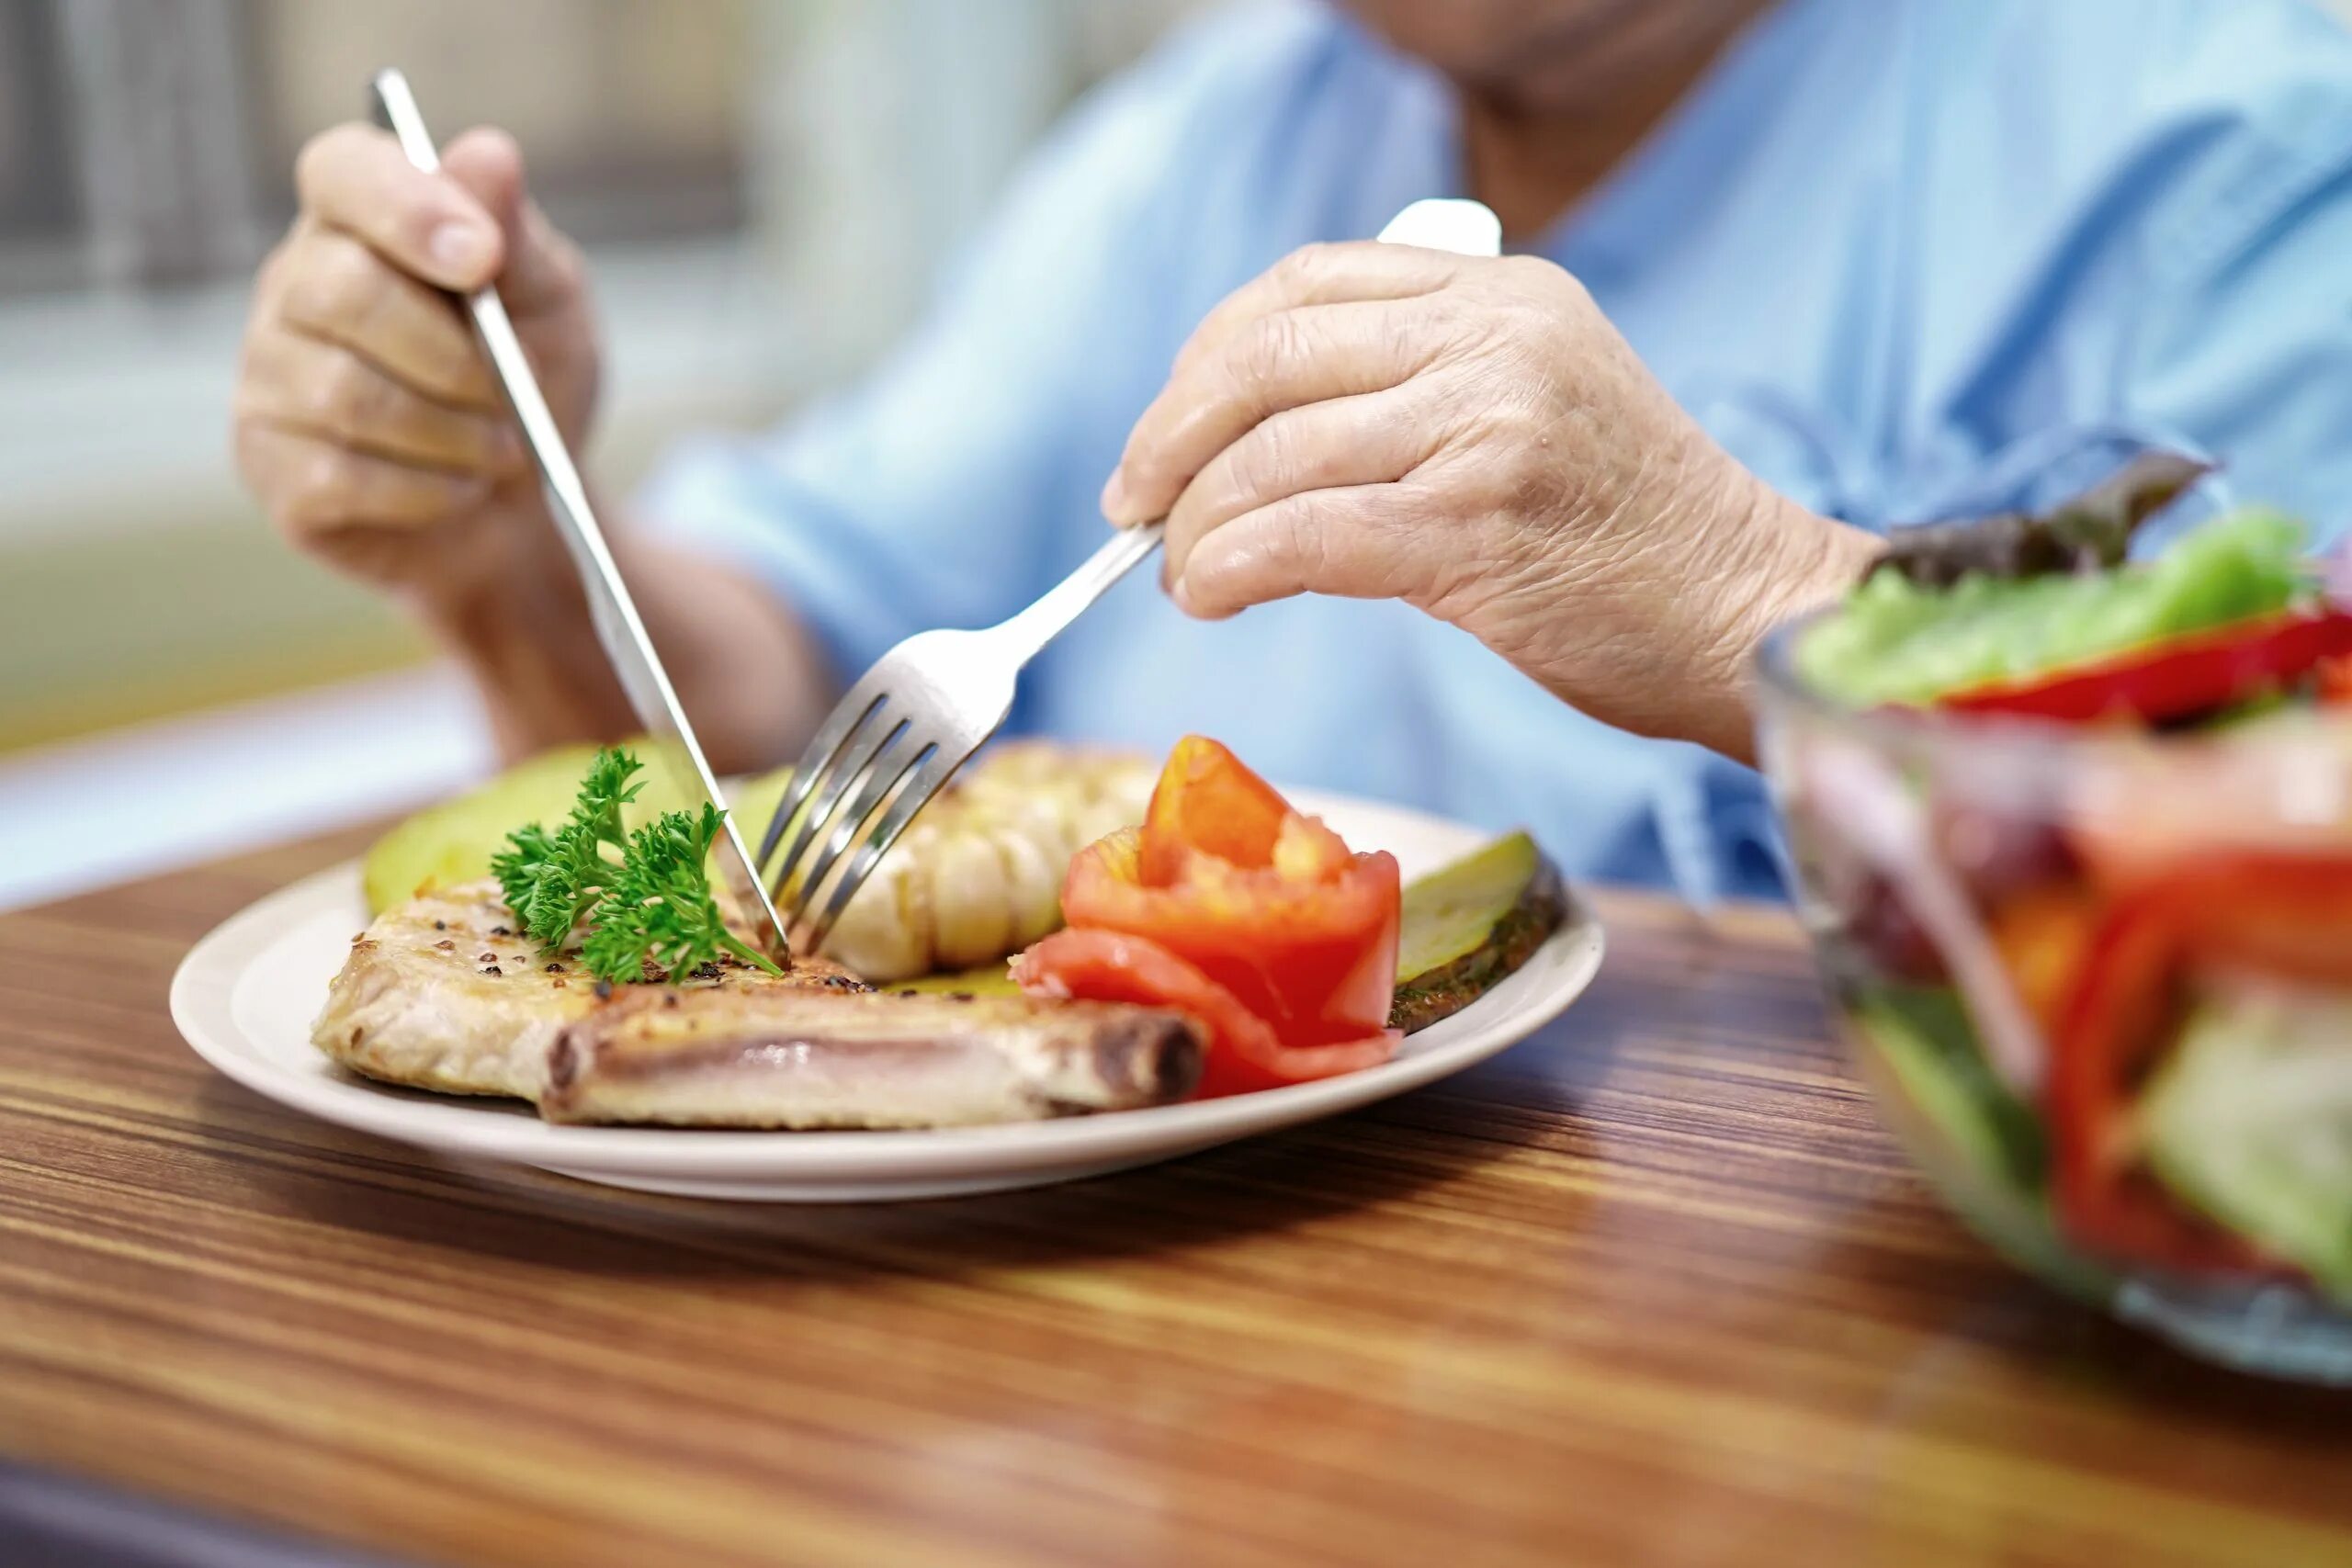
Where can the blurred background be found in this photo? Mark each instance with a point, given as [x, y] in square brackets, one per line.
[765, 186]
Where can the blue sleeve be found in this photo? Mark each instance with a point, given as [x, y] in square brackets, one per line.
[2245, 351]
[2195, 291]
[926, 495]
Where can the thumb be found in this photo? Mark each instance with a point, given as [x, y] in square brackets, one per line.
[541, 270]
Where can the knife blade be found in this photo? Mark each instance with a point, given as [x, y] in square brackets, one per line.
[619, 626]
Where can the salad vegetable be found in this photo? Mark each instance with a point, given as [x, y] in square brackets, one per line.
[1922, 1033]
[2206, 674]
[1234, 908]
[2091, 532]
[1895, 641]
[1469, 925]
[2251, 1119]
[2173, 914]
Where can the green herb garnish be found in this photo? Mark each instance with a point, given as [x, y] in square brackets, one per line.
[551, 880]
[660, 909]
[646, 895]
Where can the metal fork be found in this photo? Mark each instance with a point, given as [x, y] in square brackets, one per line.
[895, 741]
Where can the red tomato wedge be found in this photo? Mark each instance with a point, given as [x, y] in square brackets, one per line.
[2178, 679]
[1229, 905]
[1207, 801]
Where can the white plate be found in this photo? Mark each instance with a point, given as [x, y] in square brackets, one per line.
[245, 995]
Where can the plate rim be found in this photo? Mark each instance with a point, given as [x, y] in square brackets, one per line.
[206, 985]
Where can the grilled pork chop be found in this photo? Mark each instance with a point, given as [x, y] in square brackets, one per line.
[440, 993]
[713, 1057]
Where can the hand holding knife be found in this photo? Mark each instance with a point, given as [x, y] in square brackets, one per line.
[619, 626]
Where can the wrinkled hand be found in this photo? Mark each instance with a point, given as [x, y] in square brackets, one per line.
[1473, 437]
[368, 421]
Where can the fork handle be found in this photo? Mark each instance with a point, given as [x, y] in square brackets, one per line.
[1067, 600]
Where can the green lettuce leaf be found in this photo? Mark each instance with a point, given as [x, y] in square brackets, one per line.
[1893, 641]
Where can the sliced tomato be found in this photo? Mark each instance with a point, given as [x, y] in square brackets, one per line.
[1244, 1054]
[2286, 915]
[1268, 908]
[2178, 679]
[1207, 801]
[1314, 955]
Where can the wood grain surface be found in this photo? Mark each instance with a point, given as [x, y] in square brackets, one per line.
[1651, 1288]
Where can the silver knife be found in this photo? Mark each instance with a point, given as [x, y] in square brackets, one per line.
[619, 626]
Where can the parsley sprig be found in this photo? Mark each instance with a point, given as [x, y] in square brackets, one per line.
[646, 895]
[551, 880]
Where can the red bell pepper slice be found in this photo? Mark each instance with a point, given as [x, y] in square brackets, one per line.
[2285, 915]
[1229, 905]
[2178, 679]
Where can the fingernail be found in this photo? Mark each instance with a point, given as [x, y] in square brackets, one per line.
[1115, 496]
[1181, 596]
[460, 249]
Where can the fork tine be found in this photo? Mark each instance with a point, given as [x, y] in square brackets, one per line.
[891, 763]
[841, 773]
[847, 716]
[934, 768]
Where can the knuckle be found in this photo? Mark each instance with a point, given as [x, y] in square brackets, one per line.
[1272, 343]
[1283, 457]
[1308, 268]
[1298, 548]
[1267, 460]
[335, 285]
[315, 165]
[478, 441]
[1309, 262]
[349, 399]
[1539, 278]
[316, 493]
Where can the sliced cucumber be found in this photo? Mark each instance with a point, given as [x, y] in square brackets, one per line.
[1982, 1147]
[2250, 1122]
[1468, 926]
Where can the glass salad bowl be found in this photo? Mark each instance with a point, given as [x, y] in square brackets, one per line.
[2099, 977]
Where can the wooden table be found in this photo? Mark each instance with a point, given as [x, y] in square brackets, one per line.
[1651, 1288]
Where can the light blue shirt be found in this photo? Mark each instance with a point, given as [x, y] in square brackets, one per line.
[1904, 258]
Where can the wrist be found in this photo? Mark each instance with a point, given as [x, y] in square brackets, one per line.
[507, 573]
[1794, 561]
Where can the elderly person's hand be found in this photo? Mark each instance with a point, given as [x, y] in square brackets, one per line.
[368, 422]
[1473, 437]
